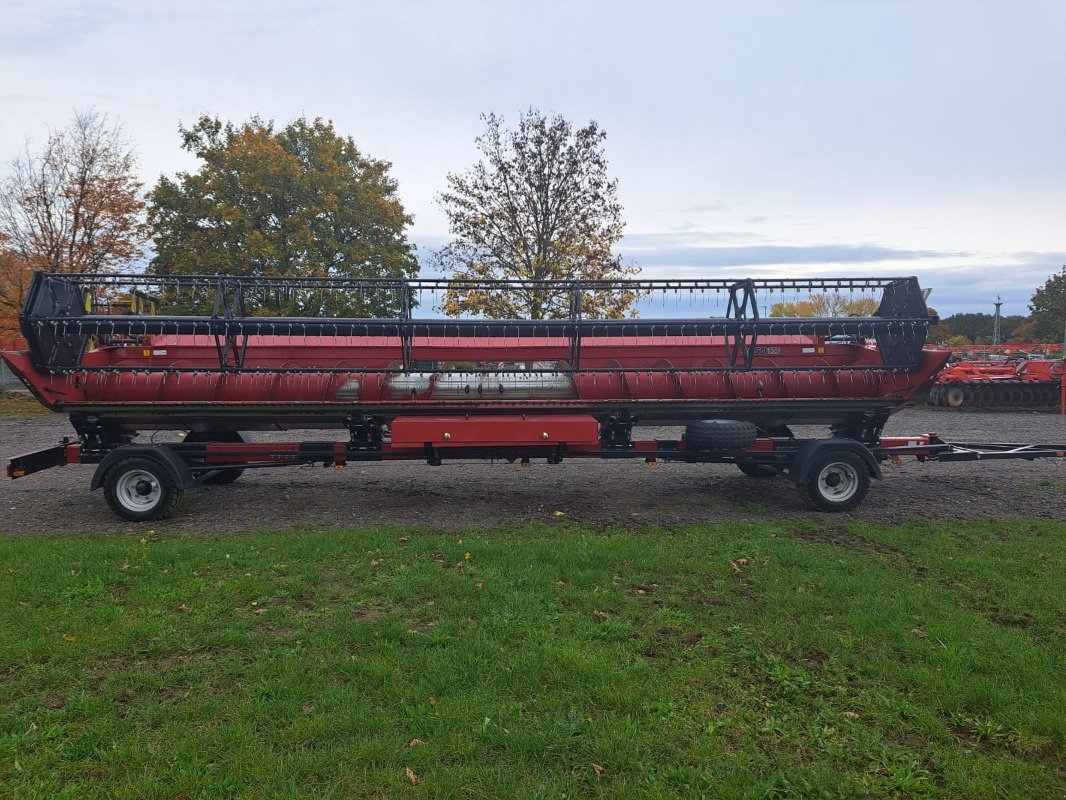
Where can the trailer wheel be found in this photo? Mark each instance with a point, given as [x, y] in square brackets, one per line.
[719, 434]
[836, 481]
[955, 396]
[224, 476]
[141, 489]
[757, 470]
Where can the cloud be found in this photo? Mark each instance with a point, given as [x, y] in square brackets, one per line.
[703, 208]
[961, 281]
[645, 253]
[40, 32]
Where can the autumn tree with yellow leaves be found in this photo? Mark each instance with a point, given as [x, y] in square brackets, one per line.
[538, 205]
[299, 201]
[827, 304]
[74, 206]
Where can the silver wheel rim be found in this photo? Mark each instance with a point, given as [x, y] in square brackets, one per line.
[838, 482]
[138, 490]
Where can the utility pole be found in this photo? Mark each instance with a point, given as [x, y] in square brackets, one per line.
[997, 333]
[1064, 342]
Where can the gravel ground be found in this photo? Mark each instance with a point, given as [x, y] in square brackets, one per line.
[587, 492]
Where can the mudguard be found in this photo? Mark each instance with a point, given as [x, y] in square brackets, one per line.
[183, 477]
[801, 465]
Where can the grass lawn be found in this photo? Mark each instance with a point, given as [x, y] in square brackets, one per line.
[21, 405]
[731, 660]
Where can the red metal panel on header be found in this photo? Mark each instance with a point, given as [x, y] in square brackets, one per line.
[495, 431]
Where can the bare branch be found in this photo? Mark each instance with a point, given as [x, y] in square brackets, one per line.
[537, 205]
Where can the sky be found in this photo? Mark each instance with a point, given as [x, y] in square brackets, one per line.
[832, 137]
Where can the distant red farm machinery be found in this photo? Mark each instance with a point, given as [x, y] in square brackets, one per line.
[224, 356]
[1026, 383]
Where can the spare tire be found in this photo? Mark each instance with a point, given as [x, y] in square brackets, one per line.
[719, 434]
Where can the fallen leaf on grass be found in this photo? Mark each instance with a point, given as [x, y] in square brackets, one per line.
[417, 743]
[432, 700]
[68, 638]
[918, 632]
[599, 770]
[182, 607]
[411, 776]
[308, 709]
[850, 715]
[600, 614]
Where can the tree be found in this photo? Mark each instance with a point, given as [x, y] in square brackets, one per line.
[1049, 309]
[539, 205]
[75, 206]
[15, 277]
[301, 201]
[825, 304]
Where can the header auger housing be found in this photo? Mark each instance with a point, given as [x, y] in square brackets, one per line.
[277, 352]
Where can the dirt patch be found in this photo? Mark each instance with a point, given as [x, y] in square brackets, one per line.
[590, 493]
[839, 536]
[280, 631]
[643, 589]
[1023, 620]
[55, 701]
[102, 668]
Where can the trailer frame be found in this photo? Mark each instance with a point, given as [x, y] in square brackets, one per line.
[517, 438]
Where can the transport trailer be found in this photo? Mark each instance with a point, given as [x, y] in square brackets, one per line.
[144, 481]
[525, 370]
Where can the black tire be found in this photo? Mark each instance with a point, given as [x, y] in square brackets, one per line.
[719, 434]
[225, 476]
[778, 431]
[758, 470]
[836, 481]
[141, 489]
[955, 396]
